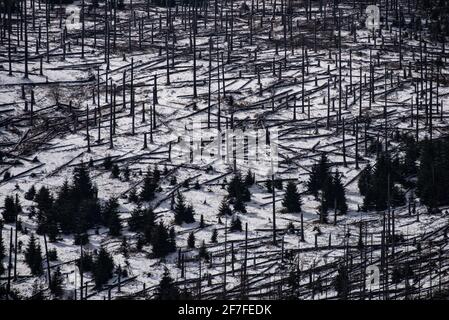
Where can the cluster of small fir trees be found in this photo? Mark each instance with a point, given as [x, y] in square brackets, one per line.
[380, 186]
[238, 191]
[12, 208]
[74, 209]
[327, 188]
[160, 237]
[184, 212]
[433, 173]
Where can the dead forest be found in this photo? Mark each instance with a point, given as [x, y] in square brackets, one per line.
[97, 98]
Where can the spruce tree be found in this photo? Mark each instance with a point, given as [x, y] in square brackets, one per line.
[66, 208]
[133, 197]
[183, 212]
[172, 239]
[156, 174]
[57, 281]
[45, 210]
[142, 221]
[180, 208]
[409, 166]
[320, 171]
[433, 175]
[191, 240]
[214, 236]
[203, 253]
[341, 282]
[237, 189]
[365, 178]
[249, 178]
[167, 290]
[33, 256]
[339, 194]
[189, 215]
[161, 242]
[124, 248]
[29, 195]
[292, 200]
[379, 188]
[149, 187]
[111, 218]
[236, 225]
[107, 162]
[82, 187]
[103, 268]
[239, 205]
[278, 184]
[10, 211]
[115, 171]
[224, 208]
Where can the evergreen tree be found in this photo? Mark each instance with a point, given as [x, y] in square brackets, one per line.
[33, 256]
[291, 228]
[249, 178]
[339, 194]
[292, 200]
[161, 241]
[224, 208]
[66, 208]
[45, 210]
[107, 163]
[183, 212]
[320, 171]
[213, 238]
[52, 254]
[126, 173]
[189, 215]
[409, 166]
[167, 290]
[56, 283]
[10, 210]
[103, 267]
[325, 197]
[156, 174]
[115, 171]
[124, 248]
[88, 261]
[111, 217]
[201, 226]
[141, 219]
[278, 184]
[149, 187]
[365, 180]
[239, 205]
[29, 195]
[380, 188]
[82, 188]
[237, 189]
[236, 225]
[203, 253]
[197, 185]
[133, 197]
[341, 282]
[180, 208]
[191, 240]
[433, 173]
[172, 239]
